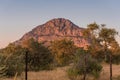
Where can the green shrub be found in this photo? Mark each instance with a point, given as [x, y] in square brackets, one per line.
[84, 63]
[39, 57]
[13, 62]
[40, 60]
[2, 58]
[73, 74]
[63, 51]
[12, 65]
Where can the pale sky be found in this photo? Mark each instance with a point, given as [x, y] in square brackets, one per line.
[20, 16]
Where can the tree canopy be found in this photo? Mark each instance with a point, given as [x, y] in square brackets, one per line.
[62, 50]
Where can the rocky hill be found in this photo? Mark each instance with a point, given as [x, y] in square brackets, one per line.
[55, 29]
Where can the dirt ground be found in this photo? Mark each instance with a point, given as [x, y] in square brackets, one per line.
[60, 74]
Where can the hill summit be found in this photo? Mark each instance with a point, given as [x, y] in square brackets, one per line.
[55, 29]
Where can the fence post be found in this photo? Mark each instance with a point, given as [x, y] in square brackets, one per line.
[26, 65]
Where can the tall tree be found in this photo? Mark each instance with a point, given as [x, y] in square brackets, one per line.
[91, 34]
[39, 57]
[102, 39]
[107, 37]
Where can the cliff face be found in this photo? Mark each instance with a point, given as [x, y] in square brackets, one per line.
[56, 29]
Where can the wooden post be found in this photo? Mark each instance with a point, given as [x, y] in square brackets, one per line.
[110, 66]
[26, 65]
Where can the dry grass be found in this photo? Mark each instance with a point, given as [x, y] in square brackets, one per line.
[60, 74]
[57, 74]
[105, 72]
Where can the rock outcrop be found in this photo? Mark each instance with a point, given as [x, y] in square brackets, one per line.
[56, 29]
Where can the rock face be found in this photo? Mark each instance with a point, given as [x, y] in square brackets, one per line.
[56, 29]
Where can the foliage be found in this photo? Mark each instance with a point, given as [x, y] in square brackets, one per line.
[2, 57]
[107, 34]
[73, 74]
[102, 40]
[115, 59]
[39, 57]
[63, 51]
[109, 44]
[91, 34]
[14, 65]
[84, 63]
[13, 62]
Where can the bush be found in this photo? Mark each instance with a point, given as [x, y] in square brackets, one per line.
[73, 74]
[39, 57]
[63, 51]
[13, 63]
[2, 57]
[84, 63]
[40, 60]
[100, 56]
[115, 59]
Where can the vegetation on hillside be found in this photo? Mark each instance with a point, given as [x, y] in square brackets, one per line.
[103, 47]
[63, 51]
[39, 57]
[84, 64]
[12, 60]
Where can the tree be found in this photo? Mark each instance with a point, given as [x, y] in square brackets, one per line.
[62, 50]
[84, 64]
[91, 34]
[102, 39]
[107, 37]
[13, 61]
[39, 57]
[11, 48]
